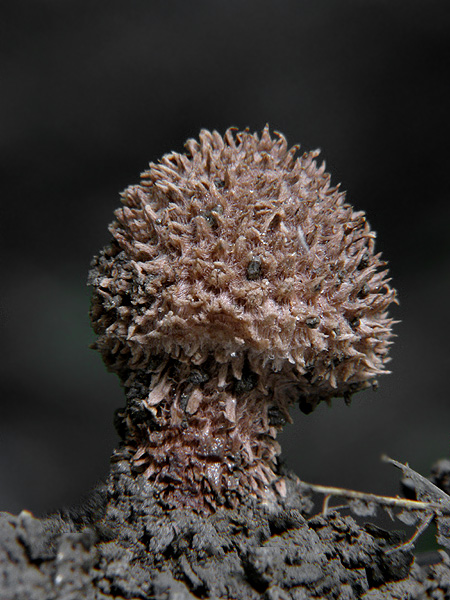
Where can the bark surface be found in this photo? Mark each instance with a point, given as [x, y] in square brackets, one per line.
[124, 543]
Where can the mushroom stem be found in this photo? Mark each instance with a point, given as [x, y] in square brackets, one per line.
[200, 435]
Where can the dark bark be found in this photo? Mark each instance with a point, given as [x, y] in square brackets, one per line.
[124, 543]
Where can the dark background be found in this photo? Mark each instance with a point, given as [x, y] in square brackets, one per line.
[91, 91]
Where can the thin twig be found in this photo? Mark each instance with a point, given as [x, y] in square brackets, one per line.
[440, 504]
[410, 543]
[386, 500]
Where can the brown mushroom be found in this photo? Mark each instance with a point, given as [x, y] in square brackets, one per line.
[237, 283]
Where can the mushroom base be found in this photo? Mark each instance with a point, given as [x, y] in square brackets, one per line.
[201, 436]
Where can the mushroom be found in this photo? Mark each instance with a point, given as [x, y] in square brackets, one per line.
[238, 282]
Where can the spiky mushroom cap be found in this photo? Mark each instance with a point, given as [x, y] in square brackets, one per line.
[240, 251]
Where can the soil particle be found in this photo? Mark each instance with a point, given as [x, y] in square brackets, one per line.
[124, 543]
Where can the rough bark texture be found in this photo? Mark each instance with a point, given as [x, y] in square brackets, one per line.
[125, 543]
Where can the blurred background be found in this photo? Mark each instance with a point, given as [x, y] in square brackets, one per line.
[91, 91]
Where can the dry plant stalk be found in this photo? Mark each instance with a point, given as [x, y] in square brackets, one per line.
[433, 503]
[238, 282]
